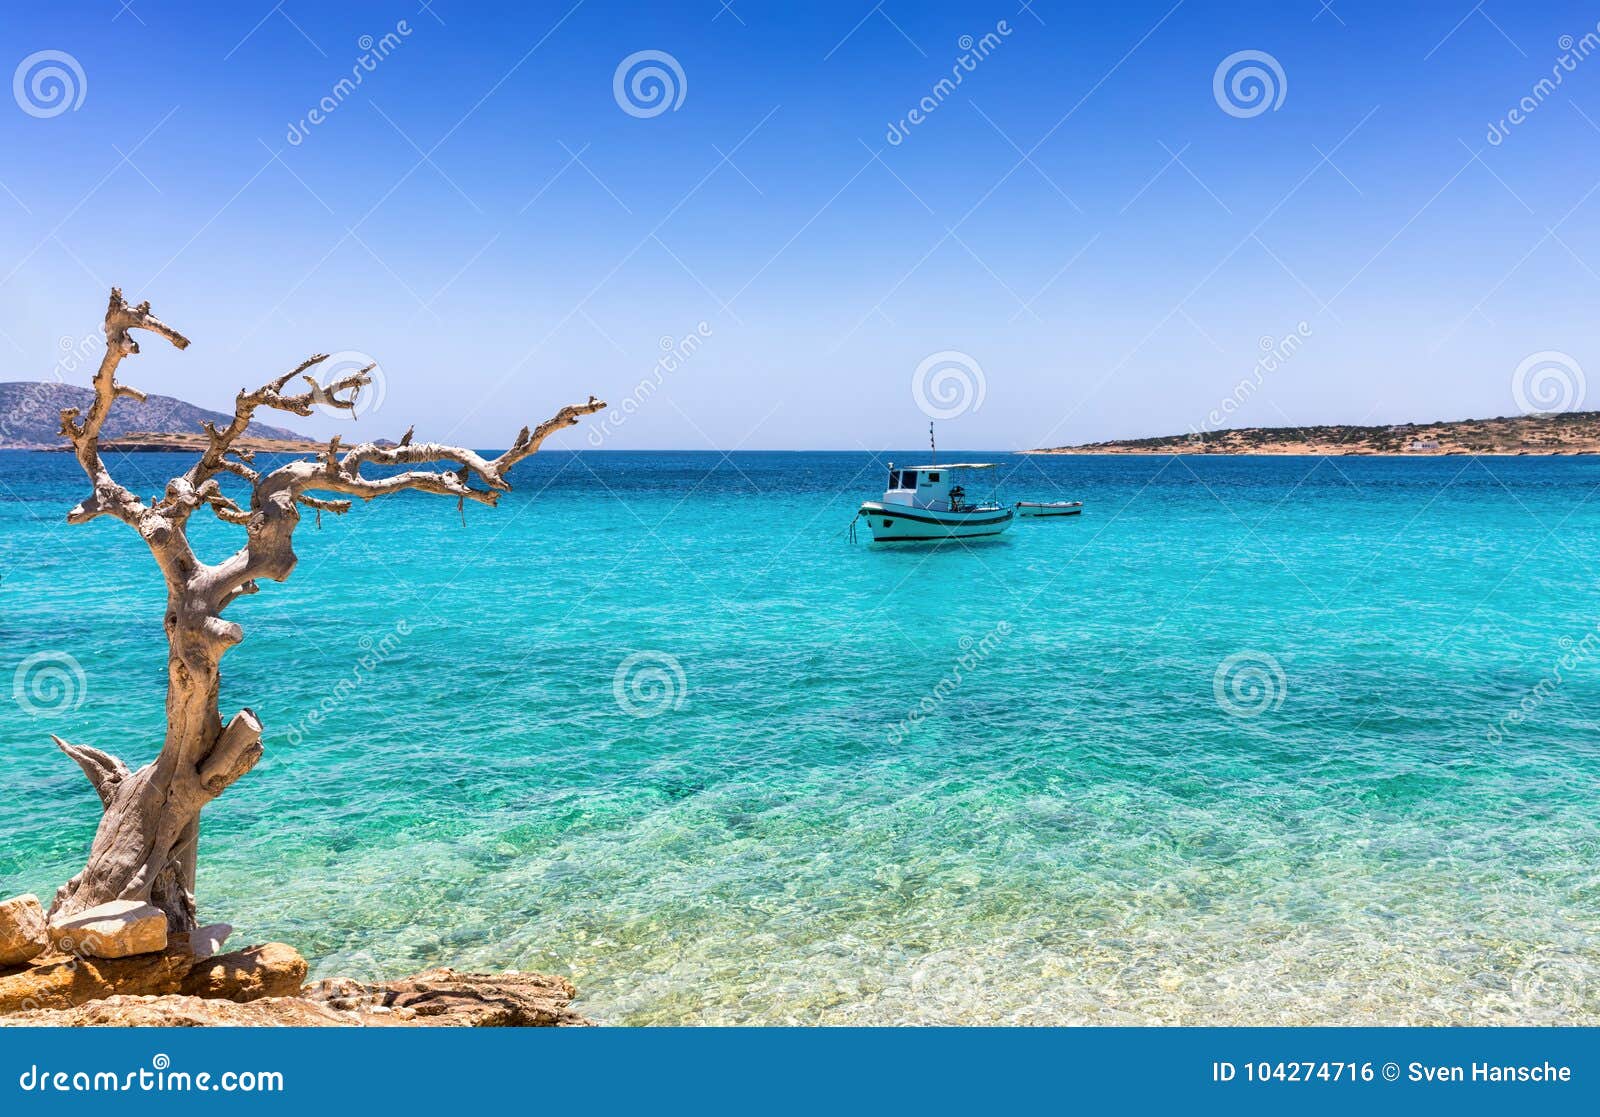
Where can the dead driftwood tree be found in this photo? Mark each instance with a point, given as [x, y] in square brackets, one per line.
[146, 843]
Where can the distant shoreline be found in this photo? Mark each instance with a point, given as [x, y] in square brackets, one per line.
[1567, 434]
[1332, 452]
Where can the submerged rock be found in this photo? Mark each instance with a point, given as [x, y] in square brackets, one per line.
[23, 933]
[446, 997]
[119, 929]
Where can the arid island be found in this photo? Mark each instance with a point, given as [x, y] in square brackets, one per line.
[1570, 432]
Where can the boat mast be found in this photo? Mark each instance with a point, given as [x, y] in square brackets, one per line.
[932, 448]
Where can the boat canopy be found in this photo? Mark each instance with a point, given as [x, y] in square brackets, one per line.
[954, 465]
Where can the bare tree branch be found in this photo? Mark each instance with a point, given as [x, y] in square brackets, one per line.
[108, 496]
[146, 843]
[105, 771]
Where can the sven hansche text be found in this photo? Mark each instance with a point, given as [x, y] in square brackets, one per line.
[1489, 1072]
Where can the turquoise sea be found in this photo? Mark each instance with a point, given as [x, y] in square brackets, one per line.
[1252, 741]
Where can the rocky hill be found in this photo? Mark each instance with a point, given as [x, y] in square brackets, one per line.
[30, 416]
[1570, 432]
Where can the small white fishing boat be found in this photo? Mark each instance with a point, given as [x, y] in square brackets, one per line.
[932, 502]
[1049, 507]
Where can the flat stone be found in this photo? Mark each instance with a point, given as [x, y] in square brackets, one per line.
[271, 970]
[23, 933]
[119, 929]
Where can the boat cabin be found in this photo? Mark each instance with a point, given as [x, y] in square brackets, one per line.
[941, 487]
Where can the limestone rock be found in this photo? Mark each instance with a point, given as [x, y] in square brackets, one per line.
[119, 929]
[23, 934]
[56, 981]
[247, 987]
[189, 1012]
[272, 970]
[445, 997]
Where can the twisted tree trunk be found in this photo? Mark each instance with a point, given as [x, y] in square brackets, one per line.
[146, 845]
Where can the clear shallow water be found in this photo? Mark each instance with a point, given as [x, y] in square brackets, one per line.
[1077, 832]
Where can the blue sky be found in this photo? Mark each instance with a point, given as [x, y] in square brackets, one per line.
[1081, 218]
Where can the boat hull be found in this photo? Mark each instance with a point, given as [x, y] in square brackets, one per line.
[896, 523]
[1036, 509]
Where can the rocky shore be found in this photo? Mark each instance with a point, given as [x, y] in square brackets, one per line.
[120, 968]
